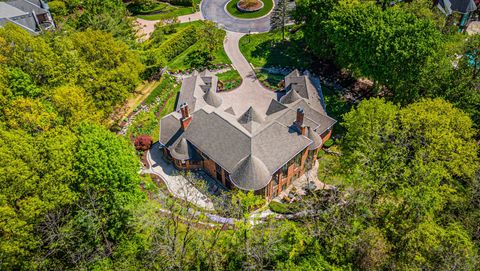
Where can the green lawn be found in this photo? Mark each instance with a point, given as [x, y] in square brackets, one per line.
[232, 9]
[160, 10]
[271, 81]
[268, 49]
[169, 105]
[157, 7]
[230, 79]
[175, 12]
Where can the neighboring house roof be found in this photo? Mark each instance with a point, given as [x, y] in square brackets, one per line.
[25, 14]
[460, 6]
[8, 11]
[250, 146]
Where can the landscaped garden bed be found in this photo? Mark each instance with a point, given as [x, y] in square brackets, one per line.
[271, 81]
[249, 9]
[250, 5]
[159, 103]
[229, 80]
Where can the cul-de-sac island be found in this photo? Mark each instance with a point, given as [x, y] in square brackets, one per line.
[239, 135]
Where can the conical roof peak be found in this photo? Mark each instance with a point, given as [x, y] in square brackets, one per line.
[182, 150]
[315, 138]
[212, 98]
[250, 174]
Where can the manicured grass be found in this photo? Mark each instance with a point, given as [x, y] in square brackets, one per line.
[268, 49]
[158, 7]
[232, 9]
[230, 79]
[169, 106]
[271, 81]
[281, 208]
[175, 12]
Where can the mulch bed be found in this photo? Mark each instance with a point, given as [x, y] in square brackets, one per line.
[250, 5]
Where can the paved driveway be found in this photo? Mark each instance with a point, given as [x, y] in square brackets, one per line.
[214, 10]
[250, 92]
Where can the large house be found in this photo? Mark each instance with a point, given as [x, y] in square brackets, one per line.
[31, 15]
[255, 151]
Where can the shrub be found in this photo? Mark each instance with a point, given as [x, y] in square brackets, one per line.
[280, 208]
[199, 58]
[328, 143]
[58, 8]
[143, 143]
[320, 153]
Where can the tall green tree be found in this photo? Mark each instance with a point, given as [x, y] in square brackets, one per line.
[314, 15]
[103, 66]
[415, 164]
[391, 47]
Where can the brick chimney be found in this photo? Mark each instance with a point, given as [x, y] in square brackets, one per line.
[299, 121]
[186, 118]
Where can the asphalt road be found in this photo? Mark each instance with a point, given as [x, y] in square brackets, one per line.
[214, 10]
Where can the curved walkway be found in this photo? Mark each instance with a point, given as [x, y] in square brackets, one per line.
[250, 92]
[214, 10]
[177, 184]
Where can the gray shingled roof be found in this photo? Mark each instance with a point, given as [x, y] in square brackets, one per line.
[182, 150]
[251, 120]
[291, 96]
[253, 146]
[250, 174]
[8, 11]
[315, 138]
[460, 6]
[212, 98]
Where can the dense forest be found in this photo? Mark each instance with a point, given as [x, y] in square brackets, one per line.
[407, 182]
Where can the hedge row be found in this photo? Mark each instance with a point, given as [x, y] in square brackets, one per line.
[177, 43]
[186, 3]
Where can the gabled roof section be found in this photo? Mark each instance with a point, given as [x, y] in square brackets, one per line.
[251, 119]
[230, 111]
[275, 107]
[460, 6]
[291, 96]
